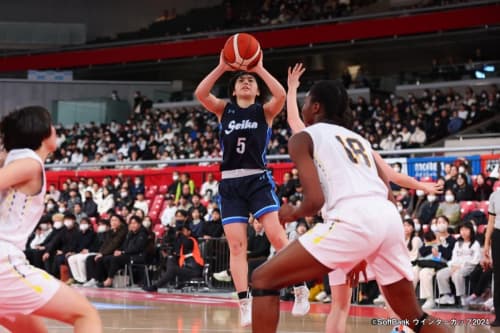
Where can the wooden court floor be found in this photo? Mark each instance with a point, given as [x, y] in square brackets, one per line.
[137, 311]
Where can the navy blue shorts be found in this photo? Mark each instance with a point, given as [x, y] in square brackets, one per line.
[243, 195]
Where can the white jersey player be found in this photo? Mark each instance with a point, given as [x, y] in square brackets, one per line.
[28, 293]
[339, 176]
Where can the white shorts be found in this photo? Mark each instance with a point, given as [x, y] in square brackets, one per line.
[368, 228]
[23, 288]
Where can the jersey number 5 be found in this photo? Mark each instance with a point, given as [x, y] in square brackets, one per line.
[241, 145]
[354, 150]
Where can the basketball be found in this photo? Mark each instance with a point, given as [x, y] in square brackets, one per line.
[242, 51]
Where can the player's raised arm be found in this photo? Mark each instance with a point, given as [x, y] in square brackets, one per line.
[278, 93]
[292, 109]
[203, 94]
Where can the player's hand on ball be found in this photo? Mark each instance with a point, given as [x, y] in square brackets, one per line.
[259, 66]
[223, 64]
[286, 213]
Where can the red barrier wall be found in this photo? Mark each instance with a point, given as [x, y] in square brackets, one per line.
[156, 176]
[325, 33]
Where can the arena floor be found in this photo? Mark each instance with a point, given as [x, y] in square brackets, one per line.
[137, 311]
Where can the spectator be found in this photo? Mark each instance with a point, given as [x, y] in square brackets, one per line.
[113, 239]
[210, 188]
[168, 215]
[65, 245]
[449, 208]
[196, 223]
[86, 244]
[138, 187]
[133, 248]
[465, 257]
[79, 214]
[105, 201]
[428, 209]
[89, 205]
[463, 191]
[189, 264]
[438, 248]
[482, 189]
[185, 179]
[141, 203]
[213, 227]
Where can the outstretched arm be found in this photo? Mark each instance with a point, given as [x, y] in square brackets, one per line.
[277, 101]
[292, 110]
[203, 94]
[405, 180]
[19, 173]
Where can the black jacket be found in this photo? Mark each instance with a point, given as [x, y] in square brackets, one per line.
[135, 243]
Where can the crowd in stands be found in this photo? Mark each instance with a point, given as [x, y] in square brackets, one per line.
[389, 124]
[240, 15]
[98, 228]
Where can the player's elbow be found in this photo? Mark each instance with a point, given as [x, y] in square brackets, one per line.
[280, 97]
[198, 93]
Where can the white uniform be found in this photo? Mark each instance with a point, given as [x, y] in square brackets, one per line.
[23, 288]
[360, 223]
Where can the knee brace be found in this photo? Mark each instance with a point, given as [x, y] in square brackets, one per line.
[265, 292]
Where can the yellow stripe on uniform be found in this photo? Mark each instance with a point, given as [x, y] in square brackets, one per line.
[318, 239]
[38, 289]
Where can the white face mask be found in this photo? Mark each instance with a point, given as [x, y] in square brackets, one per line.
[44, 226]
[69, 223]
[400, 208]
[62, 209]
[461, 170]
[146, 224]
[434, 228]
[441, 227]
[175, 177]
[50, 206]
[449, 198]
[84, 227]
[58, 225]
[431, 198]
[420, 193]
[417, 227]
[101, 228]
[123, 194]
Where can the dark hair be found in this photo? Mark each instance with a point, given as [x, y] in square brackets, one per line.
[26, 128]
[264, 90]
[469, 226]
[136, 218]
[410, 222]
[333, 97]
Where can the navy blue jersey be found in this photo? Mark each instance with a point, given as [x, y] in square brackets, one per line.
[244, 136]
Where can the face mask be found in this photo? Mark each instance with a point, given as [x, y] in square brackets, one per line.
[146, 224]
[441, 227]
[175, 177]
[101, 228]
[117, 183]
[431, 198]
[449, 198]
[50, 206]
[44, 226]
[58, 225]
[420, 193]
[69, 223]
[84, 227]
[397, 169]
[434, 228]
[123, 194]
[461, 170]
[400, 209]
[62, 209]
[137, 182]
[417, 227]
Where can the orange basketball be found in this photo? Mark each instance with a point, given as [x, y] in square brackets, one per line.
[242, 51]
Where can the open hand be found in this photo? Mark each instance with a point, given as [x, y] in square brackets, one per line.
[432, 188]
[353, 275]
[294, 75]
